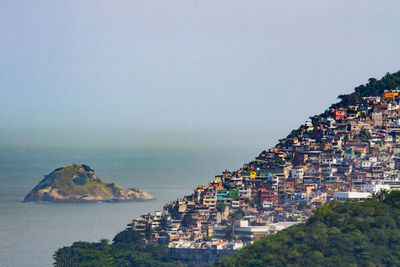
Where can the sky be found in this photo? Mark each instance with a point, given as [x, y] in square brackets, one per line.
[183, 73]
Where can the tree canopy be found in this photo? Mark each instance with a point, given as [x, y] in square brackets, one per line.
[373, 87]
[338, 234]
[127, 249]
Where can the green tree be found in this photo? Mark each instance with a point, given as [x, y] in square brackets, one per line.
[352, 233]
[220, 206]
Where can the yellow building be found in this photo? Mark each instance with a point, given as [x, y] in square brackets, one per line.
[210, 199]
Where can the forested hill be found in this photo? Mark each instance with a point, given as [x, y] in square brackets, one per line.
[374, 87]
[128, 249]
[338, 234]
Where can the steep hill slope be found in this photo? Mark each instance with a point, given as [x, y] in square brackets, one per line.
[343, 234]
[338, 234]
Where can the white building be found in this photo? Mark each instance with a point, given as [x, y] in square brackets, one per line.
[245, 192]
[297, 173]
[343, 196]
[235, 204]
[365, 163]
[249, 233]
[375, 187]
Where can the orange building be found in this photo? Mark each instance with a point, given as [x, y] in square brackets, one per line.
[391, 95]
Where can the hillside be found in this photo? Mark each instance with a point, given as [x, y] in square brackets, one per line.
[79, 183]
[372, 88]
[338, 234]
[340, 150]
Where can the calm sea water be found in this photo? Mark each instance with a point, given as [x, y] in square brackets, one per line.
[31, 232]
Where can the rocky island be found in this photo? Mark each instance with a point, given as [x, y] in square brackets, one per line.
[79, 183]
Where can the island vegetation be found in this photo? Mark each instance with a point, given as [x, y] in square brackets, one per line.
[79, 183]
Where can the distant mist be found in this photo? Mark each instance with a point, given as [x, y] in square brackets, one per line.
[183, 73]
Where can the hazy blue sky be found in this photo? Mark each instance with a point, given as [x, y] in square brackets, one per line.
[183, 72]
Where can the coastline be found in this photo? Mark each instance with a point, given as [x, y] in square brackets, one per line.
[56, 224]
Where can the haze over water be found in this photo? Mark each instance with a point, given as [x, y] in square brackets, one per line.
[163, 95]
[192, 73]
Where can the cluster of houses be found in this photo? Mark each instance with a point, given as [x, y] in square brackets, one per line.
[347, 152]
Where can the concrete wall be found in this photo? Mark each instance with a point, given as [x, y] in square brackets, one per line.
[198, 257]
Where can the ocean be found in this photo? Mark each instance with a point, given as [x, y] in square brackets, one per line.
[31, 232]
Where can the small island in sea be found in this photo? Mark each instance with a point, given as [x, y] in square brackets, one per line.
[79, 183]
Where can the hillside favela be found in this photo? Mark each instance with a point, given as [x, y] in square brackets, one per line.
[348, 154]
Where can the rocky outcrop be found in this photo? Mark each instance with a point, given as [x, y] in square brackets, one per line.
[79, 183]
